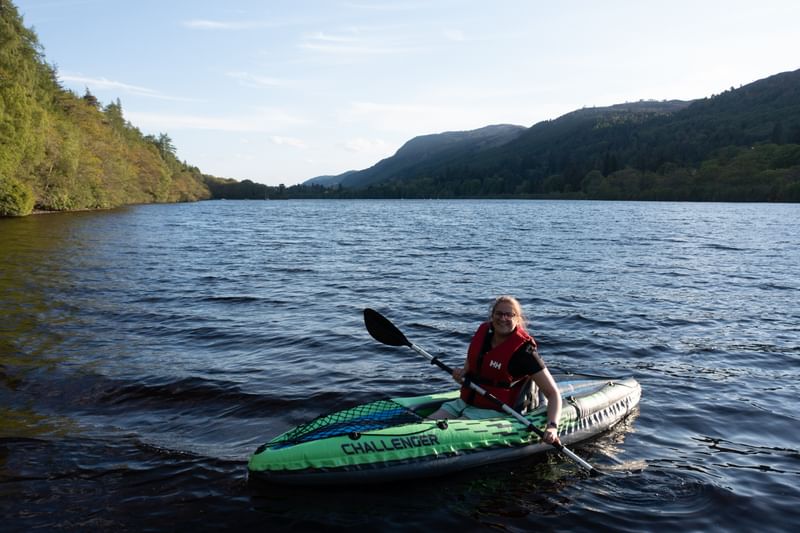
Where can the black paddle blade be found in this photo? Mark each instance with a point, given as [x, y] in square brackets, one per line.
[382, 330]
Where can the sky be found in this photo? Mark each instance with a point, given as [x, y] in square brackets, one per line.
[278, 92]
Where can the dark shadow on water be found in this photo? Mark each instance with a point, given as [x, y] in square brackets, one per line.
[486, 496]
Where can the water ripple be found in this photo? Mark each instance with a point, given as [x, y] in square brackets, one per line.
[146, 352]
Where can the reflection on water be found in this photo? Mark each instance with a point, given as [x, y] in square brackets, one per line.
[27, 424]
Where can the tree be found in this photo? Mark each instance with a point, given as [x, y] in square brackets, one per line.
[90, 99]
[16, 198]
[165, 146]
[113, 112]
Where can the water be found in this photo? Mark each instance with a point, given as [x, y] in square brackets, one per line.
[146, 352]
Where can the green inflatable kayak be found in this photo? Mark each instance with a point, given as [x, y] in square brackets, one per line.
[389, 440]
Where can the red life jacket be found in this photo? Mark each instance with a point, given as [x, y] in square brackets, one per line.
[490, 369]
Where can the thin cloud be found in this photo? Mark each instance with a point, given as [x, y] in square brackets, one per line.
[416, 119]
[350, 50]
[406, 6]
[261, 82]
[454, 35]
[101, 84]
[263, 120]
[200, 24]
[362, 145]
[327, 37]
[288, 141]
[355, 43]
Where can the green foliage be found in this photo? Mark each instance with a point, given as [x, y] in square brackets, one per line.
[16, 198]
[24, 82]
[229, 189]
[59, 151]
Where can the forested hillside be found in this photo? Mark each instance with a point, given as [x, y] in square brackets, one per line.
[61, 151]
[420, 154]
[741, 145]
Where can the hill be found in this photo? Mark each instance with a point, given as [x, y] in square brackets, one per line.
[59, 151]
[330, 180]
[740, 145]
[420, 154]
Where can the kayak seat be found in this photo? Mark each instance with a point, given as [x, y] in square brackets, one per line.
[529, 397]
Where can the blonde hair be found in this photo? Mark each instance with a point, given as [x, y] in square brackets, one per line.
[514, 303]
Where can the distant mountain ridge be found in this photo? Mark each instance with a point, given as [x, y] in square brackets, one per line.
[329, 180]
[435, 150]
[423, 151]
[740, 145]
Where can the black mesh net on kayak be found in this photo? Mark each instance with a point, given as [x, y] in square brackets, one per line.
[368, 417]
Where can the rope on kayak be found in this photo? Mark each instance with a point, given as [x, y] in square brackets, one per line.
[353, 422]
[440, 424]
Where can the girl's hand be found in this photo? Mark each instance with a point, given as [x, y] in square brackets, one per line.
[551, 436]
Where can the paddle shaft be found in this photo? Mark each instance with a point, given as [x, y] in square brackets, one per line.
[508, 410]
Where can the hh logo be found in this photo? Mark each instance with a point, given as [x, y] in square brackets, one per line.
[495, 364]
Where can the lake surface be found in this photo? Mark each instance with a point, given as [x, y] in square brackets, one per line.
[146, 352]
